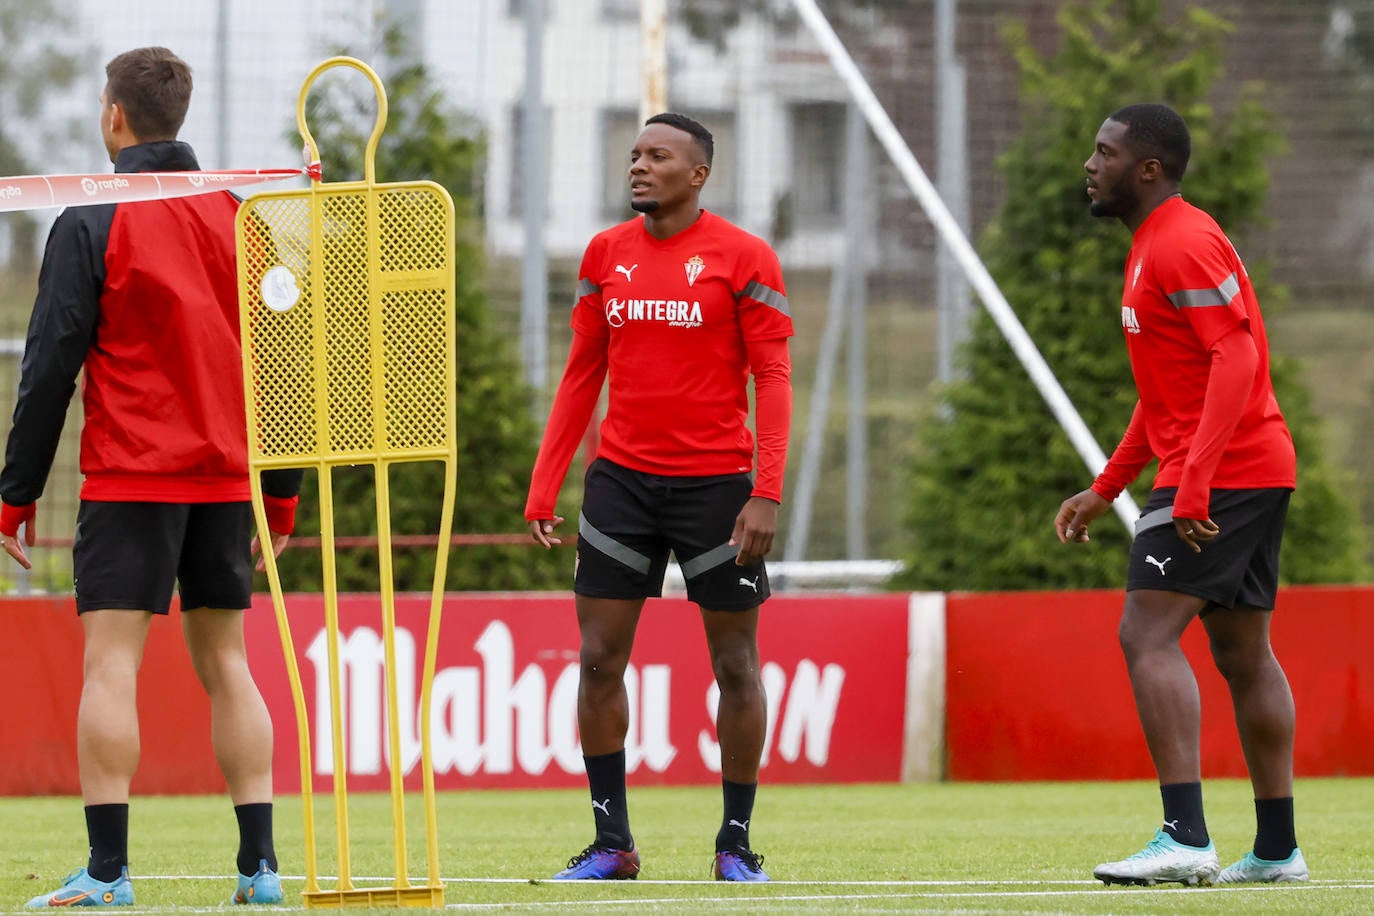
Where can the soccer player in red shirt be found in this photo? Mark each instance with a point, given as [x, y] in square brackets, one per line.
[1207, 541]
[143, 298]
[676, 309]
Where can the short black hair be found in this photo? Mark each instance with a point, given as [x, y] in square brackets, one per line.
[1158, 132]
[683, 123]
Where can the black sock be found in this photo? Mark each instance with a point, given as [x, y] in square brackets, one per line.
[107, 828]
[606, 778]
[739, 808]
[1275, 838]
[1183, 813]
[255, 837]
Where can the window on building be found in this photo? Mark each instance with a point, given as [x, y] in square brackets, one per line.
[817, 161]
[620, 9]
[517, 155]
[619, 128]
[516, 8]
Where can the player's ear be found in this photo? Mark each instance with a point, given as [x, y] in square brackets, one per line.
[700, 172]
[117, 120]
[1151, 170]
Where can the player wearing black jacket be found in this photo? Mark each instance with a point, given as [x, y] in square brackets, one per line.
[144, 297]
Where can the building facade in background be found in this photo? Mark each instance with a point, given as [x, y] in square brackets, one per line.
[778, 111]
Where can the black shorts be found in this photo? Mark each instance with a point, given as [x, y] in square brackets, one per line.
[127, 556]
[1237, 568]
[631, 520]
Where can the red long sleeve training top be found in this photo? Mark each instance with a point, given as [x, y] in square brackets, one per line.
[677, 326]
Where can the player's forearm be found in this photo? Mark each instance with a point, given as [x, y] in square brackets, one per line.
[61, 328]
[282, 483]
[772, 370]
[573, 406]
[52, 361]
[1235, 361]
[1128, 459]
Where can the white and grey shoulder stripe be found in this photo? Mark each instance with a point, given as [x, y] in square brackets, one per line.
[1207, 298]
[770, 297]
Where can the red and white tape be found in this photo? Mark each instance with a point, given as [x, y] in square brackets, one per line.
[34, 192]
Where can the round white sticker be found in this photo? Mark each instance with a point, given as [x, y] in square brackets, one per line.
[279, 289]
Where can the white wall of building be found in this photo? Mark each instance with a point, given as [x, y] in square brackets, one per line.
[476, 49]
[743, 93]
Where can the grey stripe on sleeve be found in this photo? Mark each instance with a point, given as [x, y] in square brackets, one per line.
[1205, 298]
[768, 296]
[586, 287]
[611, 547]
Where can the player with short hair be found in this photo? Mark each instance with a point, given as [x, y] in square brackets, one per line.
[144, 298]
[679, 308]
[1207, 542]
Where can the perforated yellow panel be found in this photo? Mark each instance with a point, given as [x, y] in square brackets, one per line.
[359, 366]
[346, 311]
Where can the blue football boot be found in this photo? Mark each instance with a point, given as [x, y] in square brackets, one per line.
[1163, 859]
[598, 863]
[80, 889]
[263, 887]
[1254, 870]
[739, 865]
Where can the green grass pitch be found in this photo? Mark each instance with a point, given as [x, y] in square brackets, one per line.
[943, 848]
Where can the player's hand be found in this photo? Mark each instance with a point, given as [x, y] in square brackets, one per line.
[1076, 513]
[755, 526]
[278, 545]
[541, 529]
[1195, 532]
[14, 518]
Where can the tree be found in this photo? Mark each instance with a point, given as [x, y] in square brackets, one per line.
[425, 138]
[993, 465]
[39, 59]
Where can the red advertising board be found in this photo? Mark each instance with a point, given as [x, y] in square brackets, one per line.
[505, 690]
[505, 694]
[40, 674]
[1036, 687]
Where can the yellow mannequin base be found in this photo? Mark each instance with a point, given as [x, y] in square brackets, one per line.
[375, 897]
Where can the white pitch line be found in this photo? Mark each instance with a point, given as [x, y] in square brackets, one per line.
[382, 881]
[764, 900]
[755, 900]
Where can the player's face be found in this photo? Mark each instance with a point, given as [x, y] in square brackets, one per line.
[1112, 171]
[666, 169]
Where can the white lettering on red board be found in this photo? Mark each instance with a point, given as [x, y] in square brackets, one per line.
[494, 719]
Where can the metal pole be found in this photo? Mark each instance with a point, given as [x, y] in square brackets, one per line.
[936, 211]
[951, 178]
[408, 18]
[847, 279]
[222, 90]
[813, 446]
[534, 279]
[653, 57]
[858, 222]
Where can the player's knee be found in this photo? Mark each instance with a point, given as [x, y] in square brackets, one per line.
[602, 662]
[1140, 640]
[110, 675]
[736, 668]
[218, 670]
[1131, 637]
[1238, 661]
